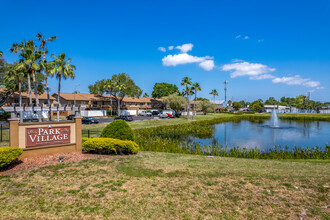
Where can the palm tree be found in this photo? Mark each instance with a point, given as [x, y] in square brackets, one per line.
[186, 81]
[43, 42]
[214, 93]
[196, 87]
[119, 87]
[61, 67]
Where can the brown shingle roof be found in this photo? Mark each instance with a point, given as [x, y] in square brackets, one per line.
[26, 95]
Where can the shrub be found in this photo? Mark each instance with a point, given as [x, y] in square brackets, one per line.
[110, 146]
[118, 129]
[8, 155]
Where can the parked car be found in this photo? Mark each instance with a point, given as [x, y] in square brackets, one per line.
[155, 112]
[70, 117]
[125, 117]
[170, 113]
[178, 114]
[145, 113]
[163, 115]
[89, 120]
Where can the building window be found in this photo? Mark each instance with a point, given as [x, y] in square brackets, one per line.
[83, 102]
[141, 103]
[72, 102]
[46, 102]
[124, 103]
[130, 103]
[16, 101]
[135, 103]
[94, 103]
[103, 103]
[149, 104]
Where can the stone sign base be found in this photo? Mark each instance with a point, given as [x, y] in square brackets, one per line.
[44, 138]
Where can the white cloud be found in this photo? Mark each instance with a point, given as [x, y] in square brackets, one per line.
[297, 80]
[163, 49]
[207, 65]
[183, 58]
[237, 60]
[247, 69]
[242, 37]
[263, 76]
[170, 47]
[185, 48]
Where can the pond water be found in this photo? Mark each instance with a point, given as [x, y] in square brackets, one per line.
[251, 134]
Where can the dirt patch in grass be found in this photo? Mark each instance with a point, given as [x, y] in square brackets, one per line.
[42, 161]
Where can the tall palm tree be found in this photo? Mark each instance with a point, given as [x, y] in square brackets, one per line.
[214, 93]
[61, 67]
[47, 67]
[119, 87]
[22, 48]
[196, 87]
[186, 81]
[43, 42]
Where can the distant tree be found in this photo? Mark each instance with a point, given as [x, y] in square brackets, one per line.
[174, 101]
[237, 105]
[201, 99]
[256, 106]
[229, 102]
[243, 103]
[301, 101]
[164, 89]
[119, 86]
[206, 106]
[214, 93]
[145, 95]
[271, 101]
[186, 81]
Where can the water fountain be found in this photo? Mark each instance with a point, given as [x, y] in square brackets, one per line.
[274, 119]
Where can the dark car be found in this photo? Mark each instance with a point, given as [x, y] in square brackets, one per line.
[155, 112]
[89, 120]
[178, 114]
[70, 117]
[125, 118]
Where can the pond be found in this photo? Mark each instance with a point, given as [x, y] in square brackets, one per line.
[251, 134]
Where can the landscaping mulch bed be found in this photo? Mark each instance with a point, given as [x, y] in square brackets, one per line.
[42, 161]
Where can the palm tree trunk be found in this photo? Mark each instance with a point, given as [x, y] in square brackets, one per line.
[188, 116]
[48, 97]
[118, 107]
[110, 104]
[36, 93]
[194, 105]
[20, 97]
[214, 101]
[58, 97]
[30, 95]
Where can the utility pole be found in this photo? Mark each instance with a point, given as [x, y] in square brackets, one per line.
[226, 82]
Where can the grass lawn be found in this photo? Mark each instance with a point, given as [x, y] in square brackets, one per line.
[169, 186]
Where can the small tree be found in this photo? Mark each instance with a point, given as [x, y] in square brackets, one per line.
[206, 106]
[174, 101]
[237, 105]
[256, 106]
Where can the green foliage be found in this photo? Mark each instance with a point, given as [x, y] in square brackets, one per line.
[272, 101]
[110, 146]
[256, 106]
[174, 101]
[237, 105]
[118, 129]
[8, 155]
[206, 106]
[164, 89]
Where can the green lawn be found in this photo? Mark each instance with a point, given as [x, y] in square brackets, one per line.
[169, 186]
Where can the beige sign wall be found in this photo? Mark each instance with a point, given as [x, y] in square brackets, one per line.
[18, 137]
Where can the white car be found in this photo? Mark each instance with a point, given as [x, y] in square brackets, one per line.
[145, 113]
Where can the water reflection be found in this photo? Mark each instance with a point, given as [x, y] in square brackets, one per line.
[251, 134]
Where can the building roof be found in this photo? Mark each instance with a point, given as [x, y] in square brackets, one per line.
[92, 97]
[26, 95]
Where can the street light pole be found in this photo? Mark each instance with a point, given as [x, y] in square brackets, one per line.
[226, 82]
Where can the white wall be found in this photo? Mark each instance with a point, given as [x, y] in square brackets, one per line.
[94, 113]
[128, 112]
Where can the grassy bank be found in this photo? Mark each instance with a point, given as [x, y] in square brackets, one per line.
[169, 186]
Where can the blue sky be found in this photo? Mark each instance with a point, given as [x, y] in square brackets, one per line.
[263, 48]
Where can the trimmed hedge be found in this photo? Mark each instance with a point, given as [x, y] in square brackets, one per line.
[118, 129]
[110, 146]
[8, 155]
